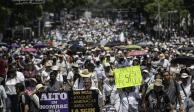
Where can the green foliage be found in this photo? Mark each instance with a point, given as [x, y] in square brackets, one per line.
[189, 4]
[4, 13]
[165, 5]
[26, 13]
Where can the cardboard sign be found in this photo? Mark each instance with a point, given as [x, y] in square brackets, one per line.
[54, 102]
[84, 101]
[128, 76]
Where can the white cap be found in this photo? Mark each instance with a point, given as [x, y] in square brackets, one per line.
[108, 54]
[107, 64]
[156, 49]
[89, 57]
[146, 71]
[184, 75]
[55, 68]
[120, 52]
[97, 59]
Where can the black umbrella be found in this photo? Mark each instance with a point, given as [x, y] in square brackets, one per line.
[40, 45]
[187, 49]
[114, 43]
[3, 44]
[76, 48]
[186, 60]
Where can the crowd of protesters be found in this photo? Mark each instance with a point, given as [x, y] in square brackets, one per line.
[165, 87]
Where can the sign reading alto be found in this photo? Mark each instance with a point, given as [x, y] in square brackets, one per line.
[54, 102]
[128, 76]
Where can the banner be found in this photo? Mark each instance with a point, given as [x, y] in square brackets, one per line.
[84, 101]
[22, 2]
[128, 76]
[54, 102]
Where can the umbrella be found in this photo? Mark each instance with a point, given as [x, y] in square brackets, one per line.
[114, 43]
[137, 53]
[76, 48]
[14, 45]
[3, 44]
[40, 45]
[149, 43]
[128, 47]
[107, 48]
[186, 60]
[29, 50]
[186, 49]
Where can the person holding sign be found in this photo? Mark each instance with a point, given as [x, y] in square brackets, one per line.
[53, 84]
[129, 100]
[86, 83]
[85, 76]
[110, 94]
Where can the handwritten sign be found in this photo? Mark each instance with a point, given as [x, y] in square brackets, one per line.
[84, 101]
[54, 102]
[128, 76]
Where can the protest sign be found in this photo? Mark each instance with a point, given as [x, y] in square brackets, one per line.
[128, 76]
[84, 101]
[54, 102]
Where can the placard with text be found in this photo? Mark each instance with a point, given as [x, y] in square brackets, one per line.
[128, 76]
[84, 101]
[54, 102]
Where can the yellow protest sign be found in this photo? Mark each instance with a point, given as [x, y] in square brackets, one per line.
[128, 76]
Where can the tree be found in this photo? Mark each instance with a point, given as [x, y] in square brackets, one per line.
[189, 4]
[165, 5]
[5, 12]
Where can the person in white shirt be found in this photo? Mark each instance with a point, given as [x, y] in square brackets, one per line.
[59, 74]
[13, 77]
[163, 61]
[110, 92]
[185, 86]
[100, 74]
[79, 83]
[63, 64]
[87, 84]
[129, 100]
[73, 74]
[3, 96]
[99, 69]
[45, 73]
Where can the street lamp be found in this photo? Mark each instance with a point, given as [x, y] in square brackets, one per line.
[39, 27]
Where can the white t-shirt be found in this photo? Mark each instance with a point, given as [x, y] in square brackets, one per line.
[187, 91]
[59, 77]
[45, 76]
[10, 84]
[70, 75]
